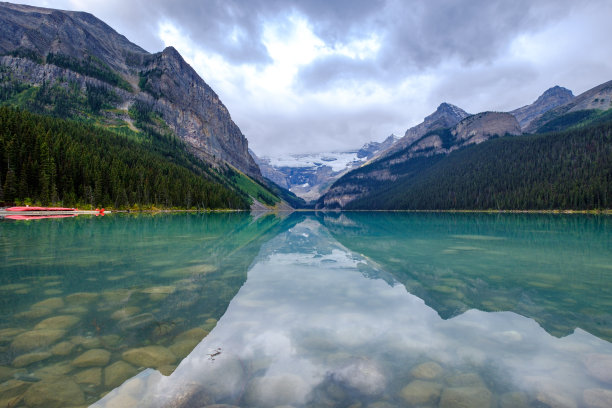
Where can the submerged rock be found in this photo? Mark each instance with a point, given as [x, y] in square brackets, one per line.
[364, 376]
[34, 339]
[278, 390]
[150, 356]
[182, 348]
[125, 312]
[137, 322]
[116, 373]
[54, 394]
[86, 342]
[49, 304]
[427, 371]
[420, 392]
[196, 334]
[81, 298]
[63, 348]
[92, 358]
[54, 371]
[90, 376]
[597, 398]
[30, 358]
[466, 397]
[57, 322]
[600, 367]
[465, 380]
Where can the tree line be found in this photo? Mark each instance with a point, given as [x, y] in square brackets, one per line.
[50, 160]
[560, 170]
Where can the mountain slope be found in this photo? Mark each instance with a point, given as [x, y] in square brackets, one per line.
[76, 50]
[445, 116]
[568, 170]
[310, 175]
[550, 99]
[437, 143]
[597, 98]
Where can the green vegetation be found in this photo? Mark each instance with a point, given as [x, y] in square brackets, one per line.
[574, 120]
[27, 54]
[145, 84]
[563, 170]
[54, 161]
[90, 66]
[250, 188]
[293, 200]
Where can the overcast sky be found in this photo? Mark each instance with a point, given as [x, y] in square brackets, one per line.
[328, 75]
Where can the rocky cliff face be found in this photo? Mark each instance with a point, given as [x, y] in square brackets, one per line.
[473, 129]
[445, 116]
[599, 97]
[550, 99]
[192, 110]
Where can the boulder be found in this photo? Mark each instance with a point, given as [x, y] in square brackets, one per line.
[57, 322]
[34, 339]
[466, 397]
[116, 373]
[63, 348]
[92, 358]
[54, 394]
[30, 358]
[597, 398]
[420, 392]
[90, 376]
[150, 356]
[427, 371]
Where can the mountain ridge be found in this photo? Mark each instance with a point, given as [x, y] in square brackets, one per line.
[88, 51]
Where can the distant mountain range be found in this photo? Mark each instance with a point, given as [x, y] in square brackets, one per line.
[309, 175]
[388, 180]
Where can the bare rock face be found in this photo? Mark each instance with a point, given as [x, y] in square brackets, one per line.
[599, 97]
[480, 127]
[550, 99]
[473, 129]
[192, 110]
[196, 113]
[446, 115]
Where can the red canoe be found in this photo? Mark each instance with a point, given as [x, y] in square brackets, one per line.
[40, 209]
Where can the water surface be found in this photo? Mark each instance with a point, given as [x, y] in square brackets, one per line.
[348, 310]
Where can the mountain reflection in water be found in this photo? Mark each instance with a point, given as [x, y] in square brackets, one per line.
[317, 325]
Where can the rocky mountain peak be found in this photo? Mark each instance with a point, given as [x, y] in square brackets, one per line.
[550, 99]
[446, 113]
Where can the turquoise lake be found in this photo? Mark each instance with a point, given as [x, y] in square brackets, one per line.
[355, 310]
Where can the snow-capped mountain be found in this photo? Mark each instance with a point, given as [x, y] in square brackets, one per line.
[310, 175]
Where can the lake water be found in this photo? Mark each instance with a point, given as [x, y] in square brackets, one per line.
[307, 310]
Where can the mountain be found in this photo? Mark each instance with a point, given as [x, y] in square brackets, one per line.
[309, 175]
[445, 116]
[67, 50]
[418, 147]
[550, 99]
[570, 170]
[74, 67]
[580, 109]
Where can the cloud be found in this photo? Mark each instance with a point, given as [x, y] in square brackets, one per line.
[316, 74]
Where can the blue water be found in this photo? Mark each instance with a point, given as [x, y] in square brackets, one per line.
[349, 310]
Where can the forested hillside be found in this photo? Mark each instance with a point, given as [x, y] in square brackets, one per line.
[561, 170]
[54, 161]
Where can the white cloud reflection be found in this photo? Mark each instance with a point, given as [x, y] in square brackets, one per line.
[312, 314]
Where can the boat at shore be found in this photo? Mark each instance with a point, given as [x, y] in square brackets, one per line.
[35, 213]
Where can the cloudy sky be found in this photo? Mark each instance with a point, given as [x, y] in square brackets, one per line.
[329, 75]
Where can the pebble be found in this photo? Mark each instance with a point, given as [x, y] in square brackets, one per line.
[90, 376]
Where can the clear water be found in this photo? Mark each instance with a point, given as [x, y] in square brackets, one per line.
[318, 310]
